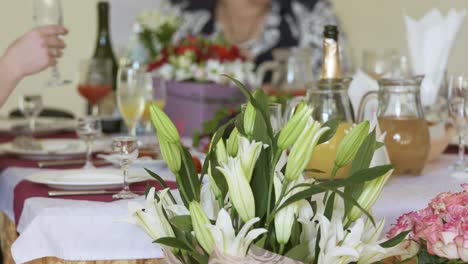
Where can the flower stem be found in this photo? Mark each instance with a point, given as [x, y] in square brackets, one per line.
[270, 183]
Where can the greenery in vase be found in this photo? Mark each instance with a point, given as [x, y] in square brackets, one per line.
[252, 193]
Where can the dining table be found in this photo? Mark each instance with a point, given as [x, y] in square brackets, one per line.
[95, 228]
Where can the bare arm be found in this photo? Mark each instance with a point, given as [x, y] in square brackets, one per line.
[29, 54]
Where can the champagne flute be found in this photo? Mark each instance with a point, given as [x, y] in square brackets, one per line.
[155, 93]
[95, 81]
[126, 151]
[88, 129]
[31, 106]
[49, 12]
[130, 96]
[457, 98]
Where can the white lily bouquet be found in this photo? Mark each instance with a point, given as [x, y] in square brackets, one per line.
[256, 205]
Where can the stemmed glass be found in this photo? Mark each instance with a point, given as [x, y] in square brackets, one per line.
[457, 98]
[131, 95]
[155, 93]
[95, 81]
[126, 151]
[88, 129]
[31, 106]
[275, 112]
[49, 12]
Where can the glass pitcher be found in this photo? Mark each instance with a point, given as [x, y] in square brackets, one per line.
[291, 71]
[329, 99]
[401, 117]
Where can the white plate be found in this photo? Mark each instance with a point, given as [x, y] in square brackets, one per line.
[44, 126]
[51, 149]
[80, 179]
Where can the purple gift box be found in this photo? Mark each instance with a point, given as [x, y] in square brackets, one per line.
[189, 104]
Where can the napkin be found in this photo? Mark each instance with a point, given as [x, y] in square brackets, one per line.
[430, 40]
[362, 84]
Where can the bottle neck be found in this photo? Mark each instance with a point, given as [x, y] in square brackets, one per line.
[103, 44]
[331, 67]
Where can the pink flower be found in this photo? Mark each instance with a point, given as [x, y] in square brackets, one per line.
[442, 225]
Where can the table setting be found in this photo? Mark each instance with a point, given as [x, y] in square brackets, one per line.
[344, 169]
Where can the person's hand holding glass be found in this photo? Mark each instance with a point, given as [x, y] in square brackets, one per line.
[31, 107]
[49, 12]
[458, 110]
[95, 81]
[126, 151]
[131, 96]
[88, 129]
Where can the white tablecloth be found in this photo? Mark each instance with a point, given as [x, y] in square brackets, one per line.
[78, 230]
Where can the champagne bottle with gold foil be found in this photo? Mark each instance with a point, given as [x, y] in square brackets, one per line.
[331, 67]
[329, 98]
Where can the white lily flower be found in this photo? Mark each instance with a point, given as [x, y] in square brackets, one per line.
[151, 217]
[333, 249]
[226, 240]
[240, 192]
[248, 155]
[208, 202]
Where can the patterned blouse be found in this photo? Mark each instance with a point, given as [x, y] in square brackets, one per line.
[288, 24]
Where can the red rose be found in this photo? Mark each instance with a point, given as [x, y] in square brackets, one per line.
[158, 63]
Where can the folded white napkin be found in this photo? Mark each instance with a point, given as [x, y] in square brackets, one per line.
[430, 40]
[360, 86]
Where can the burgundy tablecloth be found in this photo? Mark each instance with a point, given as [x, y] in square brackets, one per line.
[26, 189]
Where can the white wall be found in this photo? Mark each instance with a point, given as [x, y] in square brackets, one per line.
[369, 24]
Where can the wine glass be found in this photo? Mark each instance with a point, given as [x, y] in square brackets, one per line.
[49, 12]
[95, 81]
[131, 95]
[126, 151]
[155, 93]
[31, 106]
[380, 62]
[88, 129]
[276, 119]
[457, 98]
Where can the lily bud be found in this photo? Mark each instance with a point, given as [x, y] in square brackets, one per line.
[371, 191]
[240, 192]
[249, 119]
[232, 143]
[302, 149]
[248, 155]
[200, 223]
[221, 154]
[164, 126]
[350, 144]
[171, 154]
[284, 218]
[294, 127]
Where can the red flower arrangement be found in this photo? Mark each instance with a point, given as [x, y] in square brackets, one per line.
[202, 59]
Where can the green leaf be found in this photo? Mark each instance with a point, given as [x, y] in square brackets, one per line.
[259, 184]
[333, 125]
[174, 243]
[359, 176]
[296, 233]
[161, 181]
[189, 176]
[329, 206]
[353, 202]
[299, 252]
[395, 240]
[182, 222]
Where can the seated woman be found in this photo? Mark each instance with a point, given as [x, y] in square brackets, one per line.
[261, 26]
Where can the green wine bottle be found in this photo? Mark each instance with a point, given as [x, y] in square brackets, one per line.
[103, 49]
